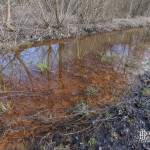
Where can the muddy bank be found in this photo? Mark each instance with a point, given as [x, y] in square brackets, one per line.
[117, 127]
[114, 127]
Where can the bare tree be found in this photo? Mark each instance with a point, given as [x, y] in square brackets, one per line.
[8, 16]
[55, 4]
[130, 11]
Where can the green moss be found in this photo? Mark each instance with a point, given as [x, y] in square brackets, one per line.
[146, 92]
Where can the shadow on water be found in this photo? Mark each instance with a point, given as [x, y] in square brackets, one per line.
[94, 69]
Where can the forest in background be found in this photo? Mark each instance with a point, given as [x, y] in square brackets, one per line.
[26, 19]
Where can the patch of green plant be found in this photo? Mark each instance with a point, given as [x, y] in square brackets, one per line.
[131, 120]
[146, 92]
[81, 108]
[114, 135]
[2, 85]
[61, 147]
[42, 147]
[42, 67]
[139, 104]
[92, 141]
[91, 91]
[5, 107]
[104, 58]
[131, 63]
[99, 55]
[108, 114]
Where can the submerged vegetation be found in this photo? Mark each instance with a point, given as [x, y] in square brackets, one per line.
[6, 107]
[43, 67]
[91, 91]
[81, 108]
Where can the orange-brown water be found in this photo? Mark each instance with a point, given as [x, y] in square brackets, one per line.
[50, 77]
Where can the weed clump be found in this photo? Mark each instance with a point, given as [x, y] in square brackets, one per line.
[43, 67]
[81, 108]
[104, 58]
[5, 107]
[146, 92]
[91, 91]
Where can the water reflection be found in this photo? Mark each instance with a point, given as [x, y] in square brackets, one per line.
[57, 61]
[63, 76]
[34, 56]
[44, 55]
[146, 61]
[55, 49]
[120, 49]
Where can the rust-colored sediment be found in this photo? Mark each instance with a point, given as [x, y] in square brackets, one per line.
[63, 94]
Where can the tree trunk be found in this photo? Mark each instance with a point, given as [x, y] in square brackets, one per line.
[8, 12]
[8, 16]
[56, 13]
[130, 11]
